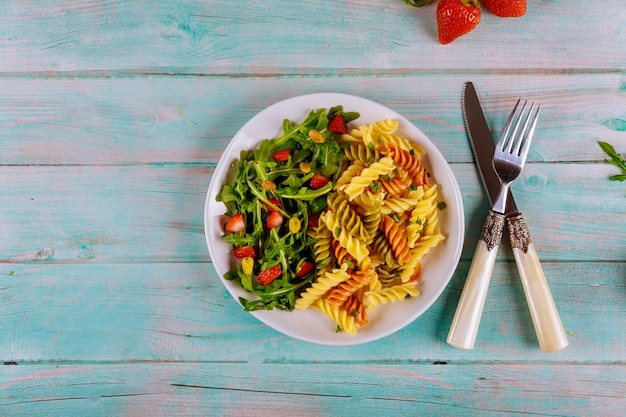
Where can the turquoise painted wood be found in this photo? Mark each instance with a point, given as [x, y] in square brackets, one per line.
[113, 116]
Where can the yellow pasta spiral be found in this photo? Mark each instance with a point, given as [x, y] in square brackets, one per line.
[339, 315]
[355, 247]
[347, 216]
[329, 280]
[370, 174]
[391, 294]
[360, 152]
[384, 250]
[350, 172]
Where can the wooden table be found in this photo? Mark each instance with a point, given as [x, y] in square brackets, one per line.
[113, 116]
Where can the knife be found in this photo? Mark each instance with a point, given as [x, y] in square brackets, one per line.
[545, 317]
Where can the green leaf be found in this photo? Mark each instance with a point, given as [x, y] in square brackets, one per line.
[616, 159]
[246, 195]
[417, 3]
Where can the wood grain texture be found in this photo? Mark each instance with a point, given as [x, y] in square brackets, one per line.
[113, 116]
[154, 213]
[181, 312]
[233, 389]
[191, 120]
[370, 36]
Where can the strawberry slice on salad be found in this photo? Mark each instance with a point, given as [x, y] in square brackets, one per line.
[304, 268]
[267, 276]
[337, 124]
[318, 181]
[281, 155]
[274, 201]
[314, 219]
[235, 224]
[275, 219]
[244, 252]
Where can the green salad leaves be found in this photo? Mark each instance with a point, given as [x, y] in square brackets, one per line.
[279, 189]
[616, 159]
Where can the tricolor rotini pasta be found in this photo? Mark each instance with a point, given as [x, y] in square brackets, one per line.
[381, 220]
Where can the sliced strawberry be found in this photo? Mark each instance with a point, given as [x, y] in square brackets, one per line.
[304, 268]
[244, 252]
[314, 219]
[269, 275]
[235, 224]
[282, 155]
[318, 181]
[274, 201]
[337, 124]
[275, 219]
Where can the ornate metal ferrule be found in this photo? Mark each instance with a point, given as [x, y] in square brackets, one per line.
[518, 233]
[492, 231]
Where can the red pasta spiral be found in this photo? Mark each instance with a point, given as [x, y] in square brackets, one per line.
[397, 237]
[410, 162]
[357, 309]
[341, 292]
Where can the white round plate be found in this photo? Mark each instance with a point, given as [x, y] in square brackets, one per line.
[438, 265]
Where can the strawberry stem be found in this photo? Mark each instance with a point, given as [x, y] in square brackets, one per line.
[474, 3]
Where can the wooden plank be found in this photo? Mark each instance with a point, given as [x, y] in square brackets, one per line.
[80, 37]
[154, 213]
[165, 389]
[181, 312]
[192, 119]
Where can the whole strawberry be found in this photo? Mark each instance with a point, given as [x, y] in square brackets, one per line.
[506, 8]
[456, 18]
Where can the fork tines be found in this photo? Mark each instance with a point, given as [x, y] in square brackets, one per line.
[518, 144]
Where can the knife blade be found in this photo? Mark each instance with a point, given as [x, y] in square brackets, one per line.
[546, 321]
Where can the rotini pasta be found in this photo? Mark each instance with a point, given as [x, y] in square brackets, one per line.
[347, 216]
[361, 152]
[380, 222]
[345, 321]
[410, 161]
[358, 280]
[391, 294]
[321, 286]
[367, 176]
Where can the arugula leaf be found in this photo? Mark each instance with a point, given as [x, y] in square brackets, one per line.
[417, 3]
[250, 195]
[616, 159]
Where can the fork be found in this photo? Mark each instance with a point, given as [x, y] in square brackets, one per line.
[508, 161]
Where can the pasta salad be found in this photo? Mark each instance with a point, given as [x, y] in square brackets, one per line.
[331, 218]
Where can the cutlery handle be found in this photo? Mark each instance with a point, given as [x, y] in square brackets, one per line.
[545, 317]
[466, 319]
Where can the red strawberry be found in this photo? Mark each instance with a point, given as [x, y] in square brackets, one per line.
[244, 252]
[275, 219]
[274, 201]
[456, 18]
[318, 181]
[269, 275]
[337, 124]
[506, 8]
[314, 219]
[304, 268]
[235, 224]
[282, 155]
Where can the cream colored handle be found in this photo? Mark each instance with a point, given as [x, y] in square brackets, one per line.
[466, 319]
[545, 317]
